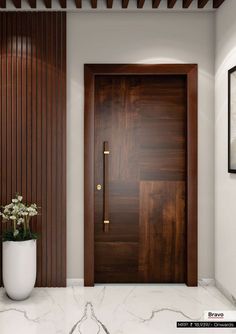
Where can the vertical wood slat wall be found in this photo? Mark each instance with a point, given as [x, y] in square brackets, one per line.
[33, 129]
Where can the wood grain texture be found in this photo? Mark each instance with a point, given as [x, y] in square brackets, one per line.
[109, 3]
[217, 3]
[32, 3]
[78, 3]
[202, 3]
[125, 3]
[33, 130]
[48, 3]
[187, 3]
[2, 3]
[124, 194]
[94, 4]
[63, 3]
[171, 3]
[17, 3]
[156, 3]
[192, 178]
[144, 120]
[140, 3]
[162, 247]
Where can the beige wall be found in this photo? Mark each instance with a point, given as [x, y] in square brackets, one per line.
[225, 183]
[139, 38]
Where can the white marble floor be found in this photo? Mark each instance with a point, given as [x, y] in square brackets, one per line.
[111, 309]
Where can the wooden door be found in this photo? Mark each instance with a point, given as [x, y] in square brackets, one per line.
[140, 178]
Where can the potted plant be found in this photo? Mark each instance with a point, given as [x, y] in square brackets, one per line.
[19, 249]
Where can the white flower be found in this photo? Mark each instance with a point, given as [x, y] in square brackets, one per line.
[19, 198]
[16, 232]
[13, 217]
[33, 213]
[24, 213]
[19, 221]
[14, 200]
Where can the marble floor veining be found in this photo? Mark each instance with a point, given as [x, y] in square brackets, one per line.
[111, 309]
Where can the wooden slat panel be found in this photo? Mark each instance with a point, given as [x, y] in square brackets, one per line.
[43, 138]
[32, 3]
[33, 129]
[109, 3]
[217, 3]
[171, 3]
[125, 3]
[14, 104]
[49, 82]
[78, 3]
[62, 101]
[17, 3]
[2, 3]
[187, 3]
[59, 131]
[63, 3]
[53, 152]
[155, 3]
[202, 3]
[48, 3]
[140, 3]
[94, 3]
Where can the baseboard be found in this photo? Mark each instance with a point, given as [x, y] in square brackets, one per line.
[206, 282]
[75, 282]
[226, 292]
[80, 282]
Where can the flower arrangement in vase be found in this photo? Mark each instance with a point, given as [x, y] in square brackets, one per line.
[19, 249]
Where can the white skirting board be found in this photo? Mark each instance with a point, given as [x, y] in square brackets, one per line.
[226, 293]
[80, 282]
[75, 282]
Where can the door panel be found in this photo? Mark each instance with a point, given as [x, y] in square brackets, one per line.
[162, 252]
[143, 118]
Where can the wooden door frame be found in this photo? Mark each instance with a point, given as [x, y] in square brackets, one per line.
[90, 72]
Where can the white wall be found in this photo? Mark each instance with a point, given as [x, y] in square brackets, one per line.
[225, 184]
[143, 38]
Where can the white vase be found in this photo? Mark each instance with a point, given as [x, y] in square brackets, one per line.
[19, 268]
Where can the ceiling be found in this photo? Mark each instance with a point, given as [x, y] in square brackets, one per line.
[110, 4]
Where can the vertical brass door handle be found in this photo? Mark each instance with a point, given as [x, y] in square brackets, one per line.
[106, 153]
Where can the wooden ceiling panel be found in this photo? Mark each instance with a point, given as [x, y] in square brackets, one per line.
[125, 3]
[2, 3]
[217, 3]
[32, 3]
[78, 3]
[171, 3]
[187, 3]
[140, 3]
[202, 3]
[62, 3]
[94, 4]
[48, 3]
[17, 3]
[155, 3]
[109, 3]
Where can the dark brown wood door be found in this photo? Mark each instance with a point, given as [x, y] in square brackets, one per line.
[142, 119]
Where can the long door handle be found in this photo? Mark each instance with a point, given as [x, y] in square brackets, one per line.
[106, 220]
